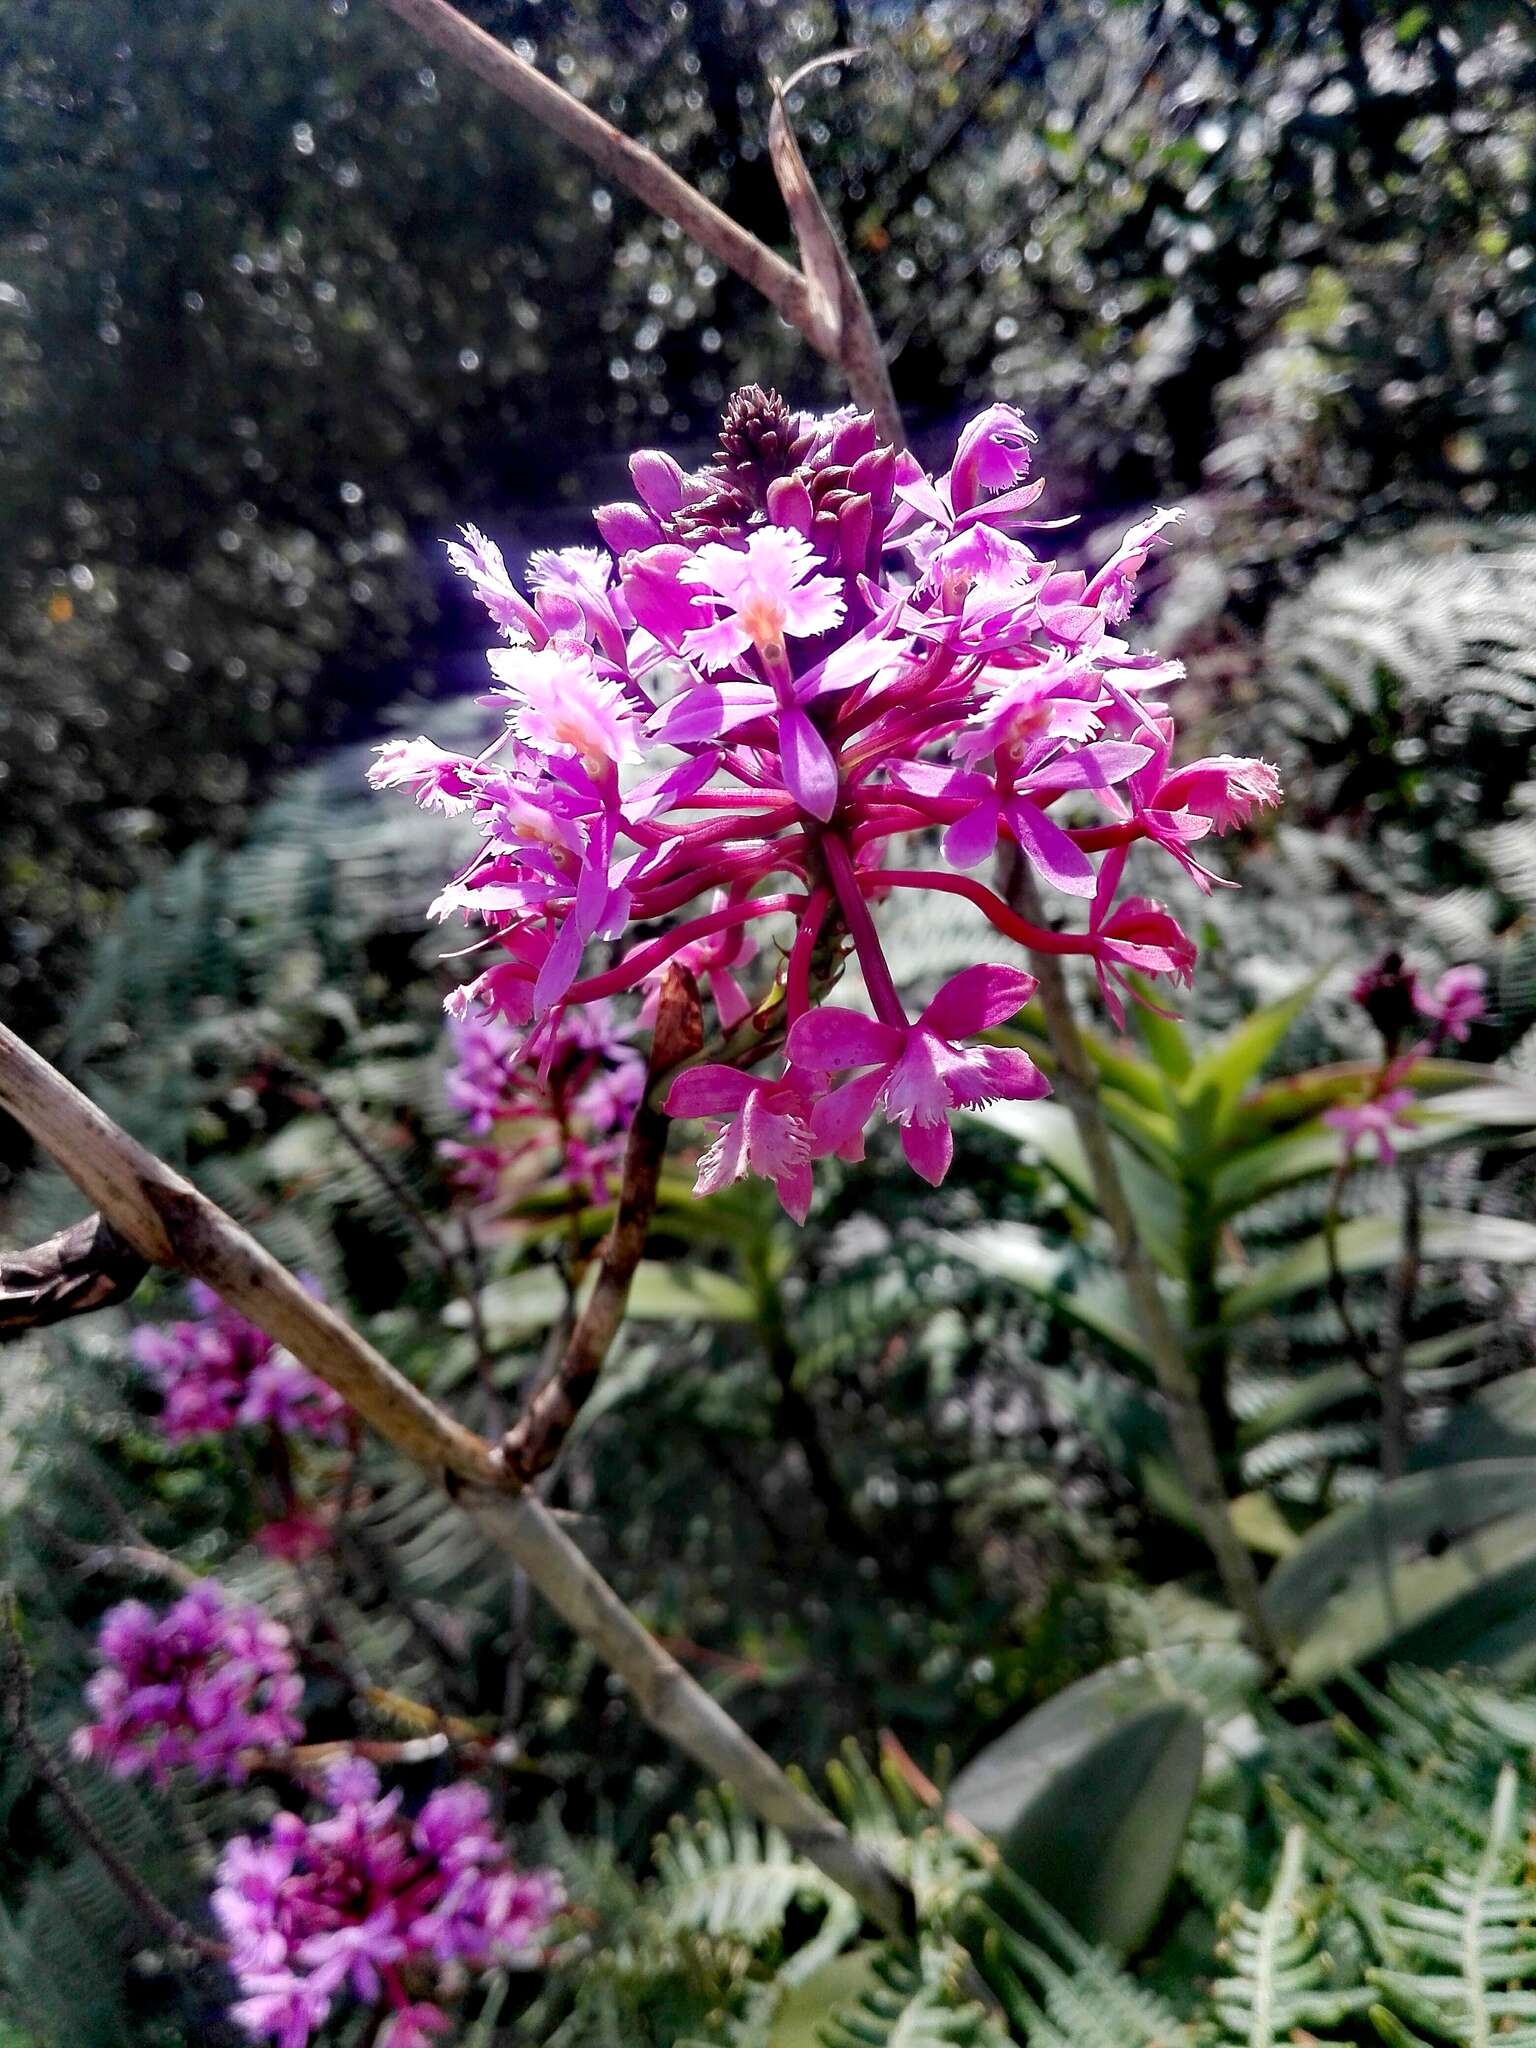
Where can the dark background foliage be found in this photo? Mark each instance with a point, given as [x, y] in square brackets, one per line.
[280, 303]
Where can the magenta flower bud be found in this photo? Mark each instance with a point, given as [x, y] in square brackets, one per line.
[789, 504]
[658, 480]
[626, 527]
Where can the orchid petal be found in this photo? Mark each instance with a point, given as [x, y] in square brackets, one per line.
[831, 1038]
[975, 999]
[929, 1149]
[810, 769]
[711, 1090]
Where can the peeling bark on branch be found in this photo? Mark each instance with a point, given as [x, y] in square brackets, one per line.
[82, 1268]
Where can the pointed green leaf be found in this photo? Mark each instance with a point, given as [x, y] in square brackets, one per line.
[1240, 1055]
[1048, 1129]
[1089, 1804]
[1390, 1571]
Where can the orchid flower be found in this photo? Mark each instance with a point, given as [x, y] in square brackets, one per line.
[779, 666]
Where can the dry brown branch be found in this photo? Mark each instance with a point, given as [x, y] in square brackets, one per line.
[535, 1440]
[79, 1269]
[168, 1222]
[823, 302]
[841, 309]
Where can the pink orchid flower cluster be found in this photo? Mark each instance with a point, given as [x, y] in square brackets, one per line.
[784, 665]
[195, 1687]
[1401, 1007]
[370, 1902]
[219, 1373]
[559, 1116]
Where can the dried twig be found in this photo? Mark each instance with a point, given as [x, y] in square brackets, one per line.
[82, 1268]
[167, 1221]
[823, 302]
[535, 1440]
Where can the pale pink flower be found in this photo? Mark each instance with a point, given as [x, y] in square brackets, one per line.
[560, 700]
[767, 591]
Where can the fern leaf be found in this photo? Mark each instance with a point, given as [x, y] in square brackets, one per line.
[1466, 1940]
[1278, 1980]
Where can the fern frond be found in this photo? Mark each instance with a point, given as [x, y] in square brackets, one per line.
[916, 2001]
[1465, 1959]
[1277, 1982]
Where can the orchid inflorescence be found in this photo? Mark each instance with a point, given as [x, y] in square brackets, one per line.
[217, 1372]
[371, 1902]
[785, 664]
[1415, 1023]
[534, 1118]
[200, 1686]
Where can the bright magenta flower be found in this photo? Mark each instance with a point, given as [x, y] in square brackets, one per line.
[823, 650]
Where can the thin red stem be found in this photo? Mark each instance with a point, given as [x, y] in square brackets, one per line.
[992, 907]
[634, 966]
[797, 975]
[861, 929]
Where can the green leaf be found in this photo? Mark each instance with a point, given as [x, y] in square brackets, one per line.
[1390, 1572]
[1089, 1795]
[1048, 1129]
[1301, 1400]
[1368, 1243]
[1094, 1299]
[1500, 1422]
[533, 1299]
[805, 2008]
[1280, 1105]
[1165, 1039]
[1101, 1838]
[1311, 1151]
[1240, 1055]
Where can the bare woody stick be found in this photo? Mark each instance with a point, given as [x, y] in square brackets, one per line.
[1187, 1424]
[164, 1219]
[168, 1223]
[535, 1439]
[823, 301]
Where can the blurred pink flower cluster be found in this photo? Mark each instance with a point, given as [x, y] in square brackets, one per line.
[193, 1687]
[219, 1372]
[783, 664]
[372, 1902]
[557, 1116]
[1392, 995]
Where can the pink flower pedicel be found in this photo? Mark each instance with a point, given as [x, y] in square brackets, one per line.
[783, 663]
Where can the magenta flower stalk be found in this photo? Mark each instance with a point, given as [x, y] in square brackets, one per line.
[371, 1904]
[195, 1687]
[782, 665]
[1397, 1003]
[219, 1373]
